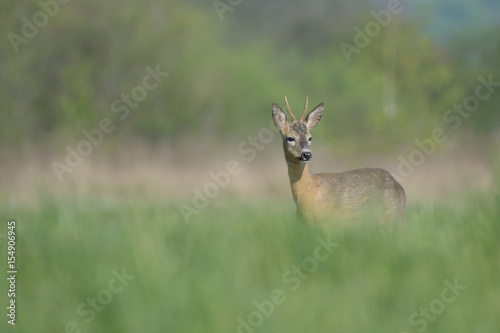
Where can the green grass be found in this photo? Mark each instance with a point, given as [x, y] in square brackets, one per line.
[204, 276]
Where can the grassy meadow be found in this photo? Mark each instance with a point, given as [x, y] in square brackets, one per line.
[242, 265]
[139, 101]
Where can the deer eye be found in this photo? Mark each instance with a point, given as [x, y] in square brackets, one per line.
[310, 139]
[290, 139]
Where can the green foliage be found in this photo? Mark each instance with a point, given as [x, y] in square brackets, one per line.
[202, 276]
[479, 52]
[224, 75]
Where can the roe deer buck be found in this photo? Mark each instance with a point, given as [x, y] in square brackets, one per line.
[343, 197]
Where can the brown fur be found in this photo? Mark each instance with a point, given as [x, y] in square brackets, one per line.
[356, 195]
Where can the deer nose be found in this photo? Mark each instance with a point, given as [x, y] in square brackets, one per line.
[306, 156]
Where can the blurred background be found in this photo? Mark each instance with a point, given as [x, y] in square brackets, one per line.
[64, 65]
[115, 114]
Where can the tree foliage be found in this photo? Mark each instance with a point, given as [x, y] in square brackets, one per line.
[224, 75]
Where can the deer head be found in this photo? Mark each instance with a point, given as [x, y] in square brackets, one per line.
[296, 136]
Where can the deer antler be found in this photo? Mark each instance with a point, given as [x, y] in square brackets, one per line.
[289, 110]
[302, 117]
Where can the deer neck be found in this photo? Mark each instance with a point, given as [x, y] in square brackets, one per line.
[303, 187]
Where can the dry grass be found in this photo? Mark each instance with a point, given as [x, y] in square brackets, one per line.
[159, 173]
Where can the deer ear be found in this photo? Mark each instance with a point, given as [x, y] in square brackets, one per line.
[314, 116]
[279, 117]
